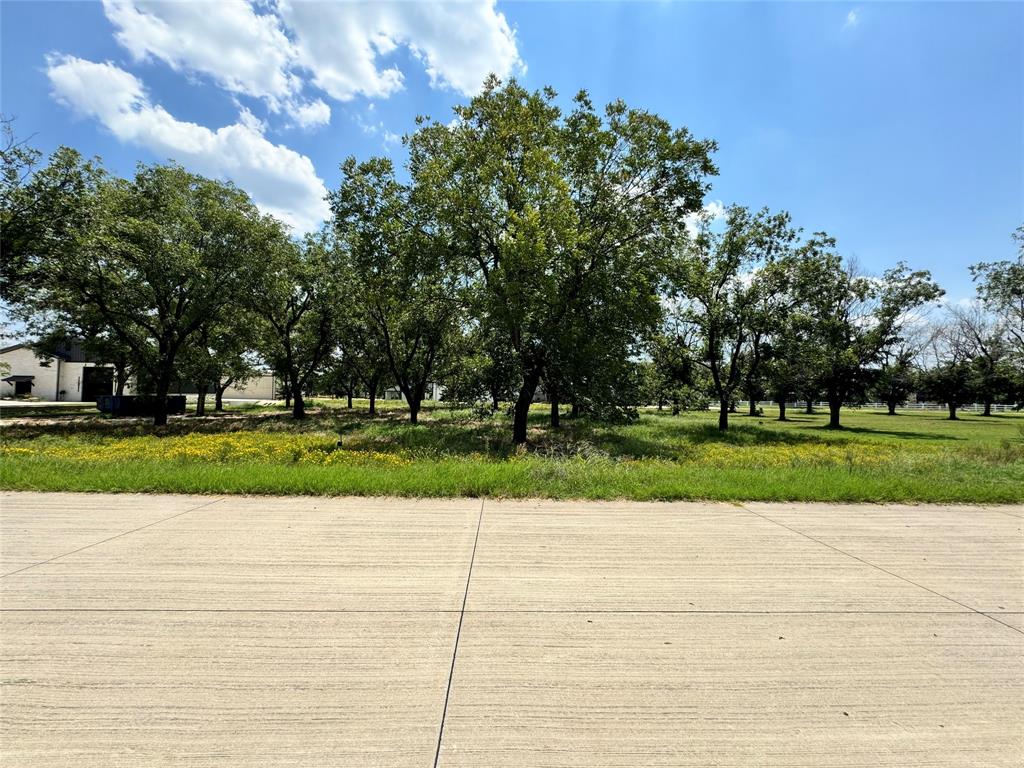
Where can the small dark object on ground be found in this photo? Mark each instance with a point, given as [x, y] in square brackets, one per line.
[138, 405]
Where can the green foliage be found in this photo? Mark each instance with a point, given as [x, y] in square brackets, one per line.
[1000, 285]
[563, 222]
[729, 286]
[298, 297]
[406, 297]
[854, 319]
[151, 259]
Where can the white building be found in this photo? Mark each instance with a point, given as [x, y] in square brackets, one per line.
[261, 387]
[67, 374]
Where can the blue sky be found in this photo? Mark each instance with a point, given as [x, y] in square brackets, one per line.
[898, 128]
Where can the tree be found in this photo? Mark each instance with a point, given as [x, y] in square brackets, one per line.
[729, 285]
[153, 258]
[363, 353]
[220, 356]
[950, 377]
[856, 318]
[670, 372]
[480, 367]
[1000, 286]
[791, 366]
[560, 218]
[407, 286]
[897, 378]
[986, 343]
[299, 299]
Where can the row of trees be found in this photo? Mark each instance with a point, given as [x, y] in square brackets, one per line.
[520, 247]
[771, 316]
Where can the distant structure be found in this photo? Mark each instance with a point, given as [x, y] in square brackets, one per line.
[66, 373]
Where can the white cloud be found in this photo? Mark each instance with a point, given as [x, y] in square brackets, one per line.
[244, 52]
[711, 212]
[281, 181]
[378, 129]
[312, 114]
[267, 54]
[459, 44]
[852, 19]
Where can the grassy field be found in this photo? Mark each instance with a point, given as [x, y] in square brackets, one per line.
[912, 456]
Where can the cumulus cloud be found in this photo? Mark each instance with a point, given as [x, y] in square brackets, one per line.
[458, 43]
[852, 19]
[243, 51]
[311, 114]
[281, 181]
[266, 51]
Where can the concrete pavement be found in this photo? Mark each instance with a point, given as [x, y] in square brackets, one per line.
[145, 630]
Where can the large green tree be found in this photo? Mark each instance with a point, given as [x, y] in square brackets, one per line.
[407, 285]
[856, 318]
[152, 258]
[1000, 287]
[727, 285]
[563, 220]
[299, 300]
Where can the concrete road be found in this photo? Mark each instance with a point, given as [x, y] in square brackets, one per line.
[202, 631]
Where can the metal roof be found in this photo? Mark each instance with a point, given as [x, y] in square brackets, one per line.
[68, 351]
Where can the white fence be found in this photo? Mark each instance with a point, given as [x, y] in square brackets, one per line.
[973, 407]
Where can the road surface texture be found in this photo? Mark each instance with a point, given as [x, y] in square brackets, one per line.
[203, 631]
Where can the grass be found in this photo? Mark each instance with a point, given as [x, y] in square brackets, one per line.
[911, 457]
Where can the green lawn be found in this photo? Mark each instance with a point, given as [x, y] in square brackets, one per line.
[913, 456]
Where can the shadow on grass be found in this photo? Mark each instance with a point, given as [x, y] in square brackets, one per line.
[444, 431]
[890, 433]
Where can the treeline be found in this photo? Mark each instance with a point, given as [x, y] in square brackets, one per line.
[521, 247]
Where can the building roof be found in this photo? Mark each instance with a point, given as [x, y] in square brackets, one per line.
[18, 377]
[68, 351]
[72, 352]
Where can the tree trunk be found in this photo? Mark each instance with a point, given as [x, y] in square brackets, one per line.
[218, 395]
[555, 415]
[834, 406]
[122, 378]
[201, 401]
[298, 404]
[349, 394]
[163, 384]
[495, 405]
[892, 407]
[753, 407]
[988, 408]
[522, 409]
[952, 410]
[414, 408]
[574, 410]
[810, 408]
[782, 409]
[723, 415]
[373, 402]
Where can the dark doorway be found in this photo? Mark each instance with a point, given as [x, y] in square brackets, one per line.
[22, 388]
[97, 382]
